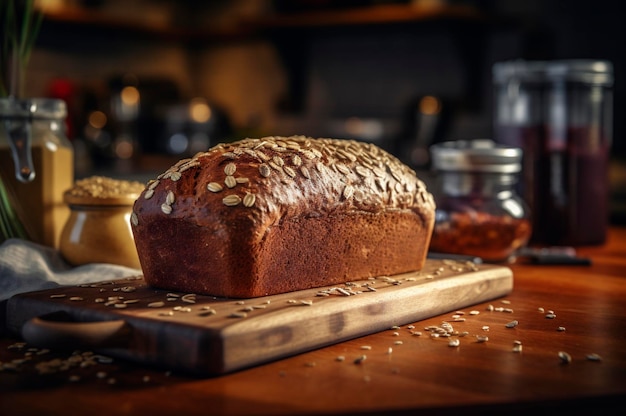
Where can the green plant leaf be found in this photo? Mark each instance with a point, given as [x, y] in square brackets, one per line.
[20, 28]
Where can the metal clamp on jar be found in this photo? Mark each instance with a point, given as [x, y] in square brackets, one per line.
[478, 211]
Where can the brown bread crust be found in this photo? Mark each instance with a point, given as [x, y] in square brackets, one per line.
[265, 216]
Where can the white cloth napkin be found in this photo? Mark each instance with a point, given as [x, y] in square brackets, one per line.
[26, 266]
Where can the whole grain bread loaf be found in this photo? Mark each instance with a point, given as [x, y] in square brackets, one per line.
[278, 214]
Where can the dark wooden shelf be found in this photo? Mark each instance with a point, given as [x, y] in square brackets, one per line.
[94, 19]
[371, 15]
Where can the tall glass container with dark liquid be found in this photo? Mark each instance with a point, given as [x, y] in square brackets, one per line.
[561, 114]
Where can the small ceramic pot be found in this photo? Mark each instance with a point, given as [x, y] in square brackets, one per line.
[98, 228]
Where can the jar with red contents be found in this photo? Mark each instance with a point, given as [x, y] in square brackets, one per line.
[478, 210]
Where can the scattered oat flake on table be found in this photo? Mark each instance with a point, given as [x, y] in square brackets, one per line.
[565, 357]
[360, 359]
[593, 357]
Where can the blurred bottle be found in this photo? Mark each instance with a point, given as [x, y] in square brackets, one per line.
[424, 125]
[560, 114]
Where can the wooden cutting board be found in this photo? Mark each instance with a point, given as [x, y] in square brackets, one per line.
[211, 336]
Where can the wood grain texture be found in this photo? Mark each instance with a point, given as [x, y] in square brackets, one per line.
[421, 375]
[206, 335]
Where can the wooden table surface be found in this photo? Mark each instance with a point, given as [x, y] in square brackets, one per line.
[403, 371]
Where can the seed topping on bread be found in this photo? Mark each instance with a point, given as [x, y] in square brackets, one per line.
[361, 173]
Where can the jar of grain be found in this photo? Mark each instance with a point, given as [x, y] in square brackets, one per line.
[98, 229]
[36, 165]
[478, 210]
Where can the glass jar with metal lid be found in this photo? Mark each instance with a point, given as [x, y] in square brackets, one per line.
[36, 164]
[478, 211]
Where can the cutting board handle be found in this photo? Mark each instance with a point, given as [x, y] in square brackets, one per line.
[56, 330]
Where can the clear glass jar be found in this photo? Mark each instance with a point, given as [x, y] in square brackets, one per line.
[561, 114]
[36, 164]
[478, 211]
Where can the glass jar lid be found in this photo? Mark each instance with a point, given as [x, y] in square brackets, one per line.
[479, 155]
[38, 108]
[597, 72]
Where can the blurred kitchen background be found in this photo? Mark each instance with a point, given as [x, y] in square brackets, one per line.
[148, 82]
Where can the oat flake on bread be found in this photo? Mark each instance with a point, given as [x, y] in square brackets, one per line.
[277, 214]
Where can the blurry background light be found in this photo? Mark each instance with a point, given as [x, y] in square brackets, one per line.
[124, 148]
[97, 119]
[430, 105]
[199, 110]
[177, 143]
[130, 96]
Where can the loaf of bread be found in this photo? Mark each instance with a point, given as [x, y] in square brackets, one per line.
[278, 214]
